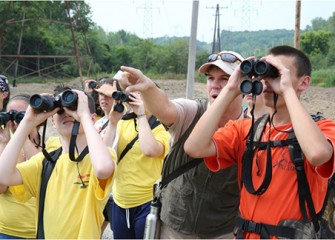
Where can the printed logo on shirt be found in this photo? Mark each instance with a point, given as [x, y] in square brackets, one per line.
[284, 163]
[83, 180]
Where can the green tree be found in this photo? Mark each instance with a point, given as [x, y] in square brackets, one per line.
[315, 42]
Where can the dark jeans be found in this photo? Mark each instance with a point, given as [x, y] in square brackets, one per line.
[136, 217]
[108, 211]
[5, 236]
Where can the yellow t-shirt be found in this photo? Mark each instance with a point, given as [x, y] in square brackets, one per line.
[52, 143]
[16, 218]
[69, 210]
[136, 174]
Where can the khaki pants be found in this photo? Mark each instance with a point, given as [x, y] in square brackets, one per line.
[169, 233]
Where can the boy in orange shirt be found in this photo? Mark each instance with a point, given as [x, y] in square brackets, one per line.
[263, 210]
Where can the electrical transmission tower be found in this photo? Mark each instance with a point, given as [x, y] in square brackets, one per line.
[147, 18]
[246, 9]
[216, 47]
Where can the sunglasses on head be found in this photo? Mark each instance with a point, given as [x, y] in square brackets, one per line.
[226, 57]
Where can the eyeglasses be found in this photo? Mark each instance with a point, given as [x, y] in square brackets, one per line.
[226, 57]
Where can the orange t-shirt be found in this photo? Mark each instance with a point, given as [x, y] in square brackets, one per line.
[280, 201]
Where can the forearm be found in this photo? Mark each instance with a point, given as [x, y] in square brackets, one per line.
[157, 102]
[110, 134]
[10, 155]
[101, 158]
[199, 143]
[147, 141]
[321, 150]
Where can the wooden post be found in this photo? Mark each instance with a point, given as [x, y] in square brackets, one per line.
[297, 24]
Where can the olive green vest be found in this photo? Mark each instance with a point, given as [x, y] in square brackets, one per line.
[199, 201]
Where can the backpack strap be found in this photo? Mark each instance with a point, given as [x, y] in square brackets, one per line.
[48, 167]
[262, 229]
[187, 166]
[153, 122]
[304, 191]
[104, 126]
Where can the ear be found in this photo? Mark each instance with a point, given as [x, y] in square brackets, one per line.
[3, 95]
[94, 117]
[304, 83]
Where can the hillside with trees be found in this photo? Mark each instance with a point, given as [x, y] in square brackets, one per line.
[49, 46]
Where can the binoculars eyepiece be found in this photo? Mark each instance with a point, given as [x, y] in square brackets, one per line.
[11, 116]
[255, 87]
[92, 84]
[255, 67]
[68, 99]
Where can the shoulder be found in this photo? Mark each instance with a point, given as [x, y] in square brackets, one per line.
[184, 103]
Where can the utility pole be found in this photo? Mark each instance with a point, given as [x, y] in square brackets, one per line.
[297, 24]
[217, 47]
[192, 51]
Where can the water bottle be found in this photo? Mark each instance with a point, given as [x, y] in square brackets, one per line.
[153, 222]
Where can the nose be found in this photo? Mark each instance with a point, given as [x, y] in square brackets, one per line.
[216, 83]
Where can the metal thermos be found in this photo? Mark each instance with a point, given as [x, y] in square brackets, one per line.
[153, 222]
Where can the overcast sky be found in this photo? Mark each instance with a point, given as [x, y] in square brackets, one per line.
[156, 18]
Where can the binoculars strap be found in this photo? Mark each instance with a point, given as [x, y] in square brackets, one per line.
[73, 146]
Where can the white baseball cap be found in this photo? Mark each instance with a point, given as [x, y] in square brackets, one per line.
[227, 61]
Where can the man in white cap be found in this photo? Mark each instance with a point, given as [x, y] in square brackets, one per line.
[197, 203]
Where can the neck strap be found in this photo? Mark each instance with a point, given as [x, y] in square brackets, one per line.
[73, 146]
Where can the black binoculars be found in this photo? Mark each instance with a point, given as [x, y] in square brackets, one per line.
[122, 96]
[68, 99]
[255, 87]
[12, 115]
[255, 67]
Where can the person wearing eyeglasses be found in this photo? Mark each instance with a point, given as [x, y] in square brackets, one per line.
[4, 92]
[17, 220]
[194, 205]
[80, 183]
[284, 182]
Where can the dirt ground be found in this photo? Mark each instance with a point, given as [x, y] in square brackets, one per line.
[315, 99]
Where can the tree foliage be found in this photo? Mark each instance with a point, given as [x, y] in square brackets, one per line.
[46, 30]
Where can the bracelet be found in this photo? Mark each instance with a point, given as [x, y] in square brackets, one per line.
[141, 115]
